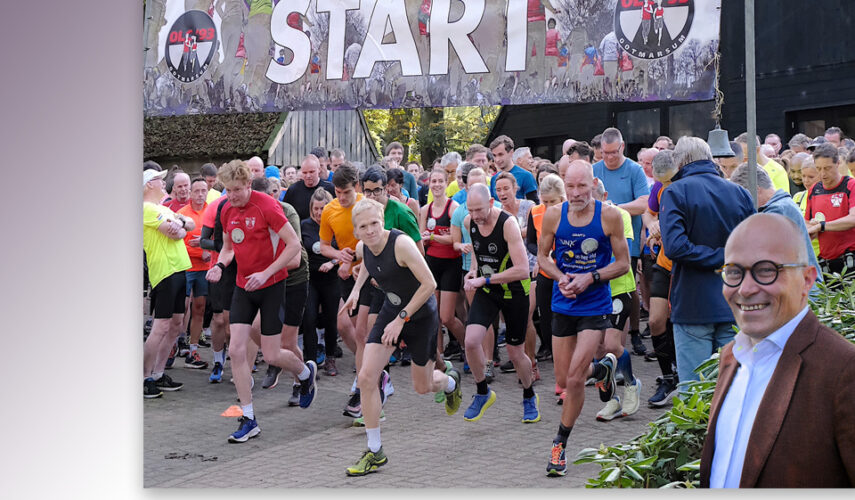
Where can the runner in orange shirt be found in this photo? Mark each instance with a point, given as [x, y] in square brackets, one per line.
[200, 259]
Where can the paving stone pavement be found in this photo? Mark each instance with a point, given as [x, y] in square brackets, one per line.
[185, 438]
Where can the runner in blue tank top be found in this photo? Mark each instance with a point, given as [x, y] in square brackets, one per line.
[499, 276]
[408, 313]
[585, 234]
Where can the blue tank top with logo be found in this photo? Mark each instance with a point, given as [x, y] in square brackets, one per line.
[581, 250]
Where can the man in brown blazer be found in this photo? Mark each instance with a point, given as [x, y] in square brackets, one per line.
[783, 411]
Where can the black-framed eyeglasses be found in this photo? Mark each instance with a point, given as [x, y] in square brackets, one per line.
[374, 192]
[764, 272]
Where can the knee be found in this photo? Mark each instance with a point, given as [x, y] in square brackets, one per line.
[473, 341]
[421, 387]
[446, 317]
[367, 380]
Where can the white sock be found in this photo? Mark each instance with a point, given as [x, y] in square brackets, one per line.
[353, 387]
[156, 375]
[373, 439]
[220, 357]
[305, 373]
[193, 348]
[247, 411]
[451, 386]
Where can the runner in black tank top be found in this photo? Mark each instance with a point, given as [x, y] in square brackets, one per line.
[408, 313]
[500, 276]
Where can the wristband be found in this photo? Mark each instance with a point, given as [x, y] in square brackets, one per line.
[221, 266]
[431, 237]
[822, 226]
[487, 281]
[183, 223]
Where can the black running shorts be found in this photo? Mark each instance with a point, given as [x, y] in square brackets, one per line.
[295, 304]
[169, 295]
[660, 284]
[486, 306]
[245, 305]
[446, 272]
[221, 292]
[419, 333]
[568, 326]
[621, 306]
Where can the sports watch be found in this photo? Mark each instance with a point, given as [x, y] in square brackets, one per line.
[596, 275]
[404, 316]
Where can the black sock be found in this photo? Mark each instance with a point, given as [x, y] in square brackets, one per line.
[482, 387]
[633, 333]
[528, 392]
[660, 346]
[599, 372]
[563, 434]
[386, 367]
[669, 332]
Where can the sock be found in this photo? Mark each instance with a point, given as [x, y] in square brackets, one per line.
[451, 386]
[373, 439]
[598, 372]
[305, 374]
[661, 349]
[563, 434]
[247, 411]
[482, 387]
[528, 392]
[386, 367]
[156, 375]
[220, 357]
[633, 333]
[353, 388]
[669, 331]
[624, 366]
[193, 348]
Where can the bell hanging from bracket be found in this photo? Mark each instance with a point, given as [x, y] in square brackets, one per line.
[719, 143]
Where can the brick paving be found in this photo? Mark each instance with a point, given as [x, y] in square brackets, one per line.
[185, 437]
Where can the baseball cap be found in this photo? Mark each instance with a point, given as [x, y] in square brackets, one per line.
[150, 175]
[271, 171]
[816, 142]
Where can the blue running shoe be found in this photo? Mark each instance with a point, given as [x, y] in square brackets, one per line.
[480, 402]
[531, 410]
[216, 374]
[606, 385]
[322, 357]
[308, 388]
[248, 428]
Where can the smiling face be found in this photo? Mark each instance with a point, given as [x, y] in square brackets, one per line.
[437, 184]
[502, 157]
[181, 187]
[760, 310]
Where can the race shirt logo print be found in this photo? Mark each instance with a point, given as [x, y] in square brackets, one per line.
[191, 45]
[394, 299]
[589, 246]
[652, 29]
[316, 247]
[836, 200]
[492, 248]
[250, 222]
[431, 224]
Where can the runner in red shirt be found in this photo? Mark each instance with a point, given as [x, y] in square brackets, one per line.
[830, 212]
[254, 230]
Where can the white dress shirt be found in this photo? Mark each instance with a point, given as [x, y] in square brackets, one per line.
[739, 408]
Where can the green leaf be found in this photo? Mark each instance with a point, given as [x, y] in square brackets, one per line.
[613, 475]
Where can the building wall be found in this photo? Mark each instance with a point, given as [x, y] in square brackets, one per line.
[305, 130]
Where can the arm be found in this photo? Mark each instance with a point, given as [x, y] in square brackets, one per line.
[457, 240]
[531, 236]
[473, 260]
[519, 268]
[353, 299]
[206, 239]
[532, 195]
[842, 224]
[172, 230]
[637, 206]
[675, 238]
[225, 258]
[188, 225]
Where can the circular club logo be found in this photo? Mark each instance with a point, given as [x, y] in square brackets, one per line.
[650, 29]
[191, 45]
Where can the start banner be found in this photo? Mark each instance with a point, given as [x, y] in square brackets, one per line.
[237, 56]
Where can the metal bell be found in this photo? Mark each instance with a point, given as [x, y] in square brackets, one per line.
[719, 143]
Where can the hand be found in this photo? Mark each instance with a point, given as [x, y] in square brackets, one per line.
[206, 256]
[426, 235]
[473, 284]
[653, 241]
[326, 267]
[579, 283]
[350, 304]
[563, 286]
[344, 271]
[174, 229]
[813, 228]
[654, 228]
[392, 331]
[255, 280]
[465, 248]
[374, 283]
[214, 274]
[345, 256]
[355, 270]
[194, 242]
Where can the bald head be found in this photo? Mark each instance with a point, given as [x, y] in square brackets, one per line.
[479, 191]
[181, 187]
[256, 166]
[562, 165]
[580, 167]
[567, 145]
[579, 183]
[778, 231]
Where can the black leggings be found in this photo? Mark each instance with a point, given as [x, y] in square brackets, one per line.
[321, 310]
[544, 305]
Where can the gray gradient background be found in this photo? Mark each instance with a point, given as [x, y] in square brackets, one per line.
[70, 303]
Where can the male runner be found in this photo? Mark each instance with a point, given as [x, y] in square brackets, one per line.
[197, 285]
[499, 275]
[254, 230]
[585, 233]
[393, 261]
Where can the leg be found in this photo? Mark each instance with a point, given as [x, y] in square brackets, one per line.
[374, 359]
[241, 369]
[578, 352]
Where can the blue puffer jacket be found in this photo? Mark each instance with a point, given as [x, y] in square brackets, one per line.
[698, 212]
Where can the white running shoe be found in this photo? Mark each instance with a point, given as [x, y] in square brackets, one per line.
[611, 411]
[631, 397]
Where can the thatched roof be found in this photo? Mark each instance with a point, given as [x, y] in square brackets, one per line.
[191, 136]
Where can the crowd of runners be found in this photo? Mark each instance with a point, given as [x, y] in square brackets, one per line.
[494, 248]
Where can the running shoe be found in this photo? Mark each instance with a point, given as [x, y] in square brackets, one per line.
[507, 367]
[338, 352]
[165, 383]
[480, 403]
[247, 428]
[606, 385]
[631, 398]
[544, 354]
[271, 378]
[665, 388]
[406, 358]
[171, 359]
[489, 375]
[368, 462]
[501, 341]
[558, 462]
[531, 410]
[383, 382]
[452, 399]
[389, 389]
[558, 389]
[448, 366]
[354, 406]
[150, 389]
[330, 369]
[360, 422]
[308, 387]
[183, 347]
[561, 398]
[638, 347]
[453, 351]
[216, 374]
[294, 400]
[193, 360]
[466, 366]
[321, 358]
[611, 411]
[203, 342]
[439, 397]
